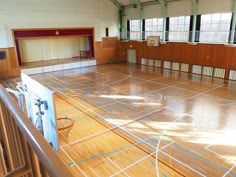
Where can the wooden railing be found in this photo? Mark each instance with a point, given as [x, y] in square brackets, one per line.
[24, 151]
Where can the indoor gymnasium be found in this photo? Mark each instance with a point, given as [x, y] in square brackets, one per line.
[118, 88]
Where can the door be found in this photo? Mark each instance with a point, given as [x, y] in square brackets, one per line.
[131, 56]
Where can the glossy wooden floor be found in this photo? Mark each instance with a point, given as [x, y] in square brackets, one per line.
[143, 121]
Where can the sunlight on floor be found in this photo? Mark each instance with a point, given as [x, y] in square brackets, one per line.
[147, 104]
[217, 138]
[122, 97]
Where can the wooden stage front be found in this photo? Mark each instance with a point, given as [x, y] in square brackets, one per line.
[133, 120]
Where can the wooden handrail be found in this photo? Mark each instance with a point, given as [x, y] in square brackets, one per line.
[46, 155]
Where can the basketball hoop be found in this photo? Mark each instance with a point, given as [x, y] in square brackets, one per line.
[64, 126]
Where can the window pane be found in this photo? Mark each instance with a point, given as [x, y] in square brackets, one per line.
[216, 29]
[179, 28]
[181, 20]
[216, 18]
[153, 27]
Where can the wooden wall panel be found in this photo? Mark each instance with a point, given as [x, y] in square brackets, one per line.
[220, 59]
[104, 55]
[121, 51]
[9, 67]
[98, 51]
[188, 53]
[177, 51]
[215, 55]
[13, 56]
[233, 58]
[200, 55]
[161, 49]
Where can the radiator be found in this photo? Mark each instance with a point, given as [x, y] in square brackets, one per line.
[197, 69]
[167, 65]
[219, 72]
[158, 63]
[207, 71]
[232, 74]
[150, 62]
[175, 66]
[144, 61]
[184, 67]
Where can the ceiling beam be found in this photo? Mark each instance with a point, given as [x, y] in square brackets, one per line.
[163, 3]
[116, 4]
[149, 3]
[136, 2]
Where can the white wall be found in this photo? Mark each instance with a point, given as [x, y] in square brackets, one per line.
[152, 11]
[181, 8]
[57, 14]
[215, 6]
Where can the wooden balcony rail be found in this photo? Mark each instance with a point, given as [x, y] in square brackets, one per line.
[24, 151]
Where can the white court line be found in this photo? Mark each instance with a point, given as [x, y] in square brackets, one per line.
[138, 161]
[158, 144]
[73, 161]
[127, 167]
[182, 163]
[94, 171]
[151, 112]
[229, 170]
[116, 166]
[220, 155]
[134, 146]
[137, 119]
[106, 130]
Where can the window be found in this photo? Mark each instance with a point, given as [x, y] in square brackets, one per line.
[215, 27]
[153, 27]
[179, 28]
[135, 29]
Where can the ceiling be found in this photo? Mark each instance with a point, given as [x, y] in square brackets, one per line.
[138, 3]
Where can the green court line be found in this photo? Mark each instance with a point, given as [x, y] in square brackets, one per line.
[201, 158]
[163, 174]
[109, 152]
[153, 163]
[152, 141]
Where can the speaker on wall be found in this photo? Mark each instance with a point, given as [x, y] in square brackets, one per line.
[107, 32]
[2, 55]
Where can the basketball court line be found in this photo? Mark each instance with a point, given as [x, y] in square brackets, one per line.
[232, 167]
[116, 166]
[212, 151]
[209, 162]
[228, 172]
[178, 160]
[77, 166]
[201, 93]
[94, 171]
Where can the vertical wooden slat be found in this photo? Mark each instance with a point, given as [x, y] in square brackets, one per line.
[2, 161]
[5, 138]
[34, 163]
[29, 134]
